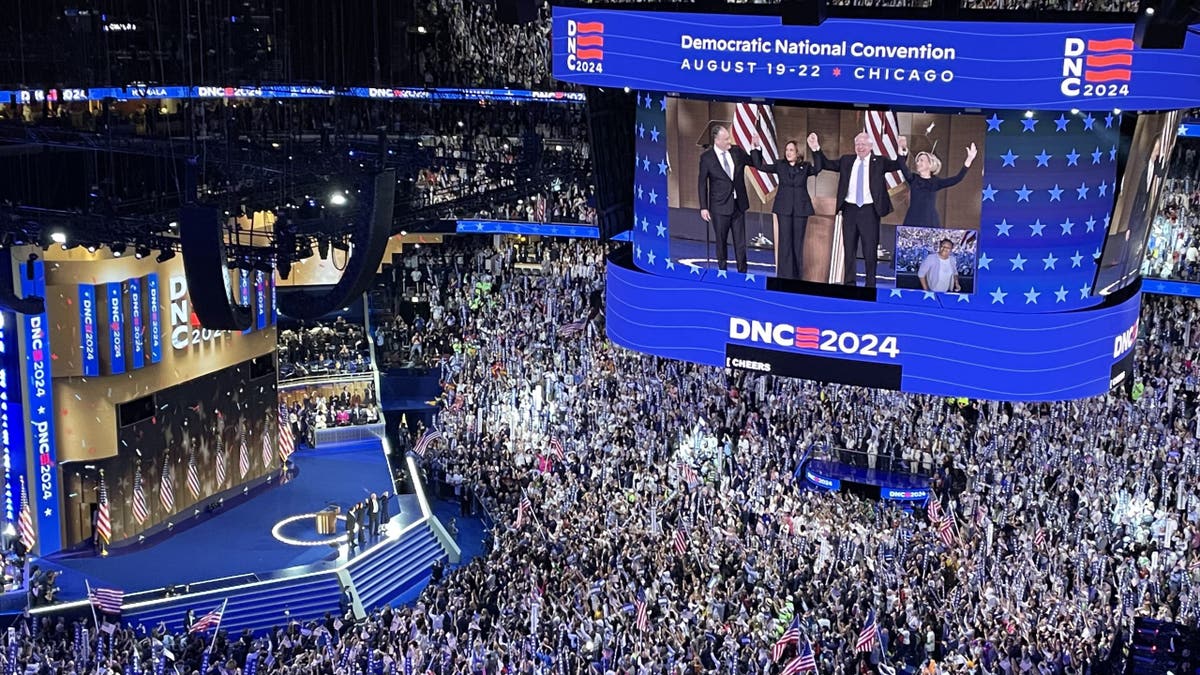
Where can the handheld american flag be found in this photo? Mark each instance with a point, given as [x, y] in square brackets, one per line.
[556, 447]
[790, 636]
[428, 437]
[680, 542]
[868, 637]
[523, 512]
[804, 662]
[643, 616]
[107, 600]
[210, 620]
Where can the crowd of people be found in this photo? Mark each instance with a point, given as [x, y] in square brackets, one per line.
[324, 348]
[650, 519]
[320, 408]
[1173, 244]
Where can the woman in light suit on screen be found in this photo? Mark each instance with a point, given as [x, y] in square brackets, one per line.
[924, 185]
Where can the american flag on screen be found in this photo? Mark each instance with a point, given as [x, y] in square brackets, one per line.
[752, 119]
[222, 463]
[104, 516]
[140, 511]
[881, 126]
[267, 452]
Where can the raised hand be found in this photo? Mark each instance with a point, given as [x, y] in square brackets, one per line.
[902, 143]
[972, 151]
[755, 141]
[813, 143]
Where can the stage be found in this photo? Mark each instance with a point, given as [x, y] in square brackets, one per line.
[238, 541]
[891, 485]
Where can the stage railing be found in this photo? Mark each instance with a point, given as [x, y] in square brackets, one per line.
[331, 378]
[875, 460]
[360, 432]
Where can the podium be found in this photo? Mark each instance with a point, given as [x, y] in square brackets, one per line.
[327, 520]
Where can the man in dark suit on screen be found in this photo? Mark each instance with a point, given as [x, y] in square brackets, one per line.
[722, 191]
[862, 199]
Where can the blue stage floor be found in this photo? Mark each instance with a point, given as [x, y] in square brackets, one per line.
[760, 261]
[238, 540]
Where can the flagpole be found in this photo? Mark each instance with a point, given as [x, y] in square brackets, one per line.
[92, 604]
[220, 618]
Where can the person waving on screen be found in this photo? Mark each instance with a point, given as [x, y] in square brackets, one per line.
[793, 205]
[924, 185]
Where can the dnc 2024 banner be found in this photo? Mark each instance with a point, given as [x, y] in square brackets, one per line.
[908, 63]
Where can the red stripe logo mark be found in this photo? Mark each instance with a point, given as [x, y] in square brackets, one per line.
[585, 39]
[806, 338]
[1116, 45]
[1098, 61]
[1118, 75]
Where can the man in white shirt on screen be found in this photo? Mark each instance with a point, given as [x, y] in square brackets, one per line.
[939, 271]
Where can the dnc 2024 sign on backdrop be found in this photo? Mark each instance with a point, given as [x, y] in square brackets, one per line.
[947, 352]
[911, 63]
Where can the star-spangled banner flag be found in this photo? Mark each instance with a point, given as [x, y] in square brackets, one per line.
[287, 440]
[267, 451]
[884, 130]
[868, 637]
[210, 620]
[556, 447]
[193, 476]
[141, 513]
[222, 460]
[803, 662]
[104, 515]
[166, 490]
[107, 600]
[428, 437]
[522, 512]
[25, 520]
[243, 455]
[790, 636]
[643, 617]
[757, 119]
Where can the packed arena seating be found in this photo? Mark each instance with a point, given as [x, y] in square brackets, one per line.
[1069, 520]
[323, 348]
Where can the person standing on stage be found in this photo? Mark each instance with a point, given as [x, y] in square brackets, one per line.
[373, 514]
[793, 205]
[862, 199]
[351, 525]
[722, 191]
[385, 509]
[924, 185]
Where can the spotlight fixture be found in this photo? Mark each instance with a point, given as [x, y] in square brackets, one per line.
[340, 244]
[167, 254]
[58, 237]
[141, 252]
[117, 249]
[337, 199]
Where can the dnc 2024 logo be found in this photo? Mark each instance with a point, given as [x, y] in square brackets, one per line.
[585, 46]
[1096, 68]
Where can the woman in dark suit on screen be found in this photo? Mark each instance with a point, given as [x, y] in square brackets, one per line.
[793, 205]
[923, 186]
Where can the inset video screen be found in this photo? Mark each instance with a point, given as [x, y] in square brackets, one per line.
[824, 195]
[936, 259]
[1142, 183]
